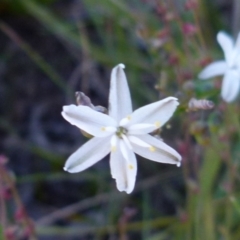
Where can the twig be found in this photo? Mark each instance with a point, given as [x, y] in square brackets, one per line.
[156, 223]
[26, 220]
[101, 198]
[3, 221]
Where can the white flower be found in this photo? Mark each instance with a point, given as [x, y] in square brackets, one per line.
[121, 133]
[230, 67]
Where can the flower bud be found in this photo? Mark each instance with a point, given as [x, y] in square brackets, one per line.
[83, 100]
[191, 5]
[3, 159]
[189, 29]
[202, 104]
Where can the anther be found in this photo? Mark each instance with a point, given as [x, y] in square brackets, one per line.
[157, 124]
[113, 148]
[130, 166]
[152, 149]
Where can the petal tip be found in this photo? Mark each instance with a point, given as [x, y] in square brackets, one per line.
[68, 107]
[202, 75]
[221, 34]
[70, 170]
[121, 65]
[65, 108]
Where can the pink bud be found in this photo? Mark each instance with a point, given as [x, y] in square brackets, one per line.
[186, 75]
[191, 4]
[217, 84]
[163, 34]
[205, 61]
[29, 230]
[6, 193]
[183, 216]
[189, 29]
[3, 160]
[182, 148]
[161, 10]
[173, 60]
[170, 16]
[10, 233]
[227, 186]
[20, 214]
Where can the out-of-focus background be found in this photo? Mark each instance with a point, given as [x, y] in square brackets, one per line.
[50, 49]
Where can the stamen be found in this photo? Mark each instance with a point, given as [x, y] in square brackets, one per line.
[113, 148]
[157, 124]
[113, 143]
[152, 149]
[130, 166]
[121, 131]
[108, 129]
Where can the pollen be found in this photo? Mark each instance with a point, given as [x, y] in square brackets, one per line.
[152, 149]
[157, 124]
[103, 129]
[113, 149]
[129, 117]
[130, 167]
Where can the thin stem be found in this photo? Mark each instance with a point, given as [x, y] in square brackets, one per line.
[3, 220]
[28, 224]
[199, 32]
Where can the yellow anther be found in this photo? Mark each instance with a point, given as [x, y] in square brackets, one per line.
[152, 149]
[130, 166]
[157, 124]
[113, 148]
[103, 129]
[129, 117]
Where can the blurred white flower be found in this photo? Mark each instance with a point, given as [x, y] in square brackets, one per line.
[230, 67]
[121, 133]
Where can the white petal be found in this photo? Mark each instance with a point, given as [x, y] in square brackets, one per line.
[114, 140]
[157, 113]
[89, 120]
[159, 151]
[88, 154]
[144, 128]
[213, 69]
[138, 142]
[230, 85]
[227, 44]
[126, 141]
[122, 169]
[124, 150]
[237, 44]
[120, 104]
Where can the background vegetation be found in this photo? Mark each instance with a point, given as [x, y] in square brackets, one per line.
[50, 49]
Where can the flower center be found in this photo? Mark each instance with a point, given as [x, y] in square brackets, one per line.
[121, 131]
